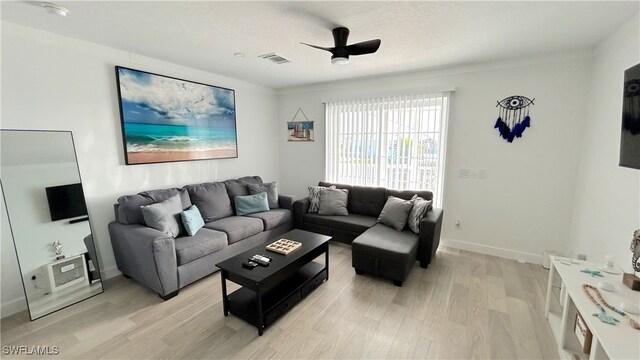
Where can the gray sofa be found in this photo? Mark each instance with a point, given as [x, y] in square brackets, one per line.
[376, 248]
[164, 264]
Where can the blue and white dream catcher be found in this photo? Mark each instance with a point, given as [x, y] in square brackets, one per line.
[513, 116]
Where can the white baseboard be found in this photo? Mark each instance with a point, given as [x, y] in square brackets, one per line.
[492, 250]
[13, 307]
[110, 272]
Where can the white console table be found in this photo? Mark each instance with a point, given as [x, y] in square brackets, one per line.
[65, 273]
[565, 297]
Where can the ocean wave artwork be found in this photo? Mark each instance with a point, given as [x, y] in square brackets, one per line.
[167, 119]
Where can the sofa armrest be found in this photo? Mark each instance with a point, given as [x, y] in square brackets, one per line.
[147, 255]
[300, 207]
[286, 202]
[429, 237]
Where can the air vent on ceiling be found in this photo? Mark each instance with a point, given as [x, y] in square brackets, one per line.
[275, 58]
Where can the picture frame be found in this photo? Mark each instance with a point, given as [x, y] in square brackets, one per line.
[167, 119]
[300, 131]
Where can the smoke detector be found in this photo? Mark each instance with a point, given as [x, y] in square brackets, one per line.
[55, 9]
[275, 58]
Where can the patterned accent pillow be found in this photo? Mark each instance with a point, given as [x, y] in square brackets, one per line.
[314, 197]
[420, 208]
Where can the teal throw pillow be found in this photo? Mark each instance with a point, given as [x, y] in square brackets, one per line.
[250, 204]
[192, 220]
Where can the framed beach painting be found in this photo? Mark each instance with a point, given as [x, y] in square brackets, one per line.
[300, 130]
[166, 119]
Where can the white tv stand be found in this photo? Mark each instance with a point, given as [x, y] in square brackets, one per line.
[565, 297]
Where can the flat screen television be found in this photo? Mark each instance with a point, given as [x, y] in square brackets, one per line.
[630, 135]
[66, 201]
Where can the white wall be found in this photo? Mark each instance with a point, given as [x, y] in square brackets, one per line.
[59, 83]
[607, 201]
[524, 205]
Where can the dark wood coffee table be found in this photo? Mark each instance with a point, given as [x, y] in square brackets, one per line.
[269, 292]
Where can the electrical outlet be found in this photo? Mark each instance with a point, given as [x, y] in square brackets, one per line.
[464, 173]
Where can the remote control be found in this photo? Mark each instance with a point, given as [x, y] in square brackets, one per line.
[259, 260]
[262, 257]
[249, 265]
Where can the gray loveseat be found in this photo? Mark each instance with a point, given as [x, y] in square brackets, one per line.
[376, 248]
[164, 264]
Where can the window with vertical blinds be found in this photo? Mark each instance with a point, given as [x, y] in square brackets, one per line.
[395, 142]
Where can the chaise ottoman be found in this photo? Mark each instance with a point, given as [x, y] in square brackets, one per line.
[384, 251]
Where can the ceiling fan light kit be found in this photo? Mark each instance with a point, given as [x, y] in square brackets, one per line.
[337, 60]
[56, 9]
[341, 51]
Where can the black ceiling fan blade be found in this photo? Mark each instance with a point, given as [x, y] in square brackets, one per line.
[319, 47]
[365, 47]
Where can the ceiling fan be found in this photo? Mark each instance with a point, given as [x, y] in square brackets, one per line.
[341, 51]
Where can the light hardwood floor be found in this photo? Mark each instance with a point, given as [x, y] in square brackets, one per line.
[465, 305]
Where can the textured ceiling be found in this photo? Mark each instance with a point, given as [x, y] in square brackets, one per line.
[415, 35]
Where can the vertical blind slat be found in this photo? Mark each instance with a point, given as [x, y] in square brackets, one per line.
[396, 142]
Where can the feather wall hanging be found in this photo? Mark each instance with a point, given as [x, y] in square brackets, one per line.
[513, 116]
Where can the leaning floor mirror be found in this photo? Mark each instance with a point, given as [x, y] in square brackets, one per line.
[47, 215]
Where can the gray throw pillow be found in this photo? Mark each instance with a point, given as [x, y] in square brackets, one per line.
[164, 216]
[333, 202]
[420, 208]
[270, 188]
[314, 197]
[395, 212]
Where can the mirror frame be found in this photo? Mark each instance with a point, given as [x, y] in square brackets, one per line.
[15, 247]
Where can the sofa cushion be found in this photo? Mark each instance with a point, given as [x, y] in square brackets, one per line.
[352, 222]
[273, 218]
[333, 202]
[395, 212]
[256, 180]
[211, 199]
[237, 227]
[238, 187]
[204, 242]
[408, 194]
[270, 188]
[383, 242]
[366, 200]
[249, 204]
[129, 205]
